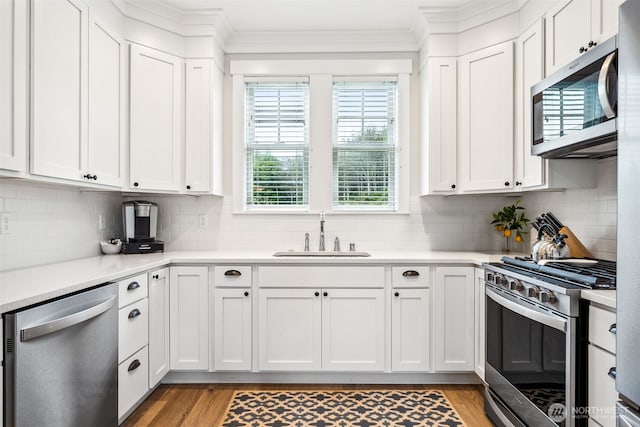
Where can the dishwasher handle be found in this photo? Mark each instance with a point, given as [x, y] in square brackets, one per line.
[55, 325]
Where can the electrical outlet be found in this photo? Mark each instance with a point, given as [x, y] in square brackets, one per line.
[203, 221]
[6, 223]
[101, 222]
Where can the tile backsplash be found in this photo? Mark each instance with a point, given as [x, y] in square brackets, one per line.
[61, 223]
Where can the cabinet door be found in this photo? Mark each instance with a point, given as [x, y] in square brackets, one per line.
[442, 125]
[158, 325]
[106, 104]
[568, 28]
[232, 329]
[480, 323]
[13, 84]
[604, 19]
[601, 387]
[454, 319]
[486, 119]
[529, 71]
[198, 129]
[58, 87]
[353, 330]
[189, 319]
[155, 119]
[410, 327]
[289, 329]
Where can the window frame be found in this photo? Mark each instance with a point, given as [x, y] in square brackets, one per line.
[321, 73]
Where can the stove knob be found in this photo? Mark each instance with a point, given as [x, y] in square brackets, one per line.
[490, 277]
[547, 296]
[516, 285]
[500, 279]
[533, 292]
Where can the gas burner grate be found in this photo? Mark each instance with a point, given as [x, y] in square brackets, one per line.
[601, 275]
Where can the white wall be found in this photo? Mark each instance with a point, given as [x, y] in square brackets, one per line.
[54, 223]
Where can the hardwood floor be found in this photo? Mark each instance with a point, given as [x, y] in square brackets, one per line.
[195, 405]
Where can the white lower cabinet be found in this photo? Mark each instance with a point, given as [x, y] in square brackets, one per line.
[321, 329]
[601, 357]
[454, 319]
[158, 325]
[479, 324]
[353, 330]
[232, 329]
[410, 330]
[133, 380]
[133, 324]
[189, 320]
[289, 329]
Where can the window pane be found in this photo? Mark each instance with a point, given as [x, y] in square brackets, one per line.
[276, 144]
[364, 157]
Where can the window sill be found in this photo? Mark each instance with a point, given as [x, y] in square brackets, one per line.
[316, 213]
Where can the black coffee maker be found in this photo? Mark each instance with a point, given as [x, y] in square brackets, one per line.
[140, 220]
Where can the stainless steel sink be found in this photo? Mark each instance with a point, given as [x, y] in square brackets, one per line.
[322, 254]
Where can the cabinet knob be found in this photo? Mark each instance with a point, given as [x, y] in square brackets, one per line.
[612, 372]
[592, 43]
[453, 186]
[326, 294]
[134, 313]
[582, 49]
[135, 184]
[134, 365]
[87, 176]
[95, 177]
[133, 286]
[155, 276]
[506, 183]
[518, 183]
[614, 328]
[317, 293]
[246, 293]
[188, 187]
[396, 294]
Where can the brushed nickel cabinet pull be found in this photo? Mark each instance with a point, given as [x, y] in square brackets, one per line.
[134, 313]
[410, 273]
[232, 273]
[133, 286]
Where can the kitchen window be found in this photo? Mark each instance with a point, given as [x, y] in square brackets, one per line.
[277, 144]
[318, 135]
[364, 145]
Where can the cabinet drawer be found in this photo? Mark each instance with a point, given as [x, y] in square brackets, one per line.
[600, 321]
[410, 277]
[323, 277]
[232, 276]
[133, 380]
[133, 328]
[132, 289]
[602, 388]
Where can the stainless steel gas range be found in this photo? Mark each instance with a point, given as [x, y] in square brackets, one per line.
[536, 332]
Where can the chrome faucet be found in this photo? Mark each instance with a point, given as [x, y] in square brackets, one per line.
[322, 220]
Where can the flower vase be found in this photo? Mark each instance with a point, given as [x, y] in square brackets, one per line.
[507, 247]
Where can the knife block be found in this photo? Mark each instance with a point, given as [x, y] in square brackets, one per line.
[576, 248]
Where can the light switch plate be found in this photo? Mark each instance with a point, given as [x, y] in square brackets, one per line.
[6, 223]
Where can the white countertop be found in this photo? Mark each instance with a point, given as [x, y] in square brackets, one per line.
[604, 297]
[23, 287]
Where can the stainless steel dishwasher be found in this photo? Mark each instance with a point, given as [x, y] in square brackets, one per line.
[61, 362]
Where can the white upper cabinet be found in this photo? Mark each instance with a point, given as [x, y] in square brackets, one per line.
[13, 84]
[155, 120]
[198, 125]
[106, 103]
[59, 61]
[574, 26]
[485, 90]
[441, 127]
[77, 94]
[529, 71]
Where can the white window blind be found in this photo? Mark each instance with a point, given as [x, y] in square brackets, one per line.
[364, 145]
[277, 144]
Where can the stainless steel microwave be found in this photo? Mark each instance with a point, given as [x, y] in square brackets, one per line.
[574, 109]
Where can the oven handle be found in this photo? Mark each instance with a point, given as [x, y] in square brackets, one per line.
[545, 319]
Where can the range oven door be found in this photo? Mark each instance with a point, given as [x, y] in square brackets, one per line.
[530, 362]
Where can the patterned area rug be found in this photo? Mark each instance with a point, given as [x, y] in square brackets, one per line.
[375, 408]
